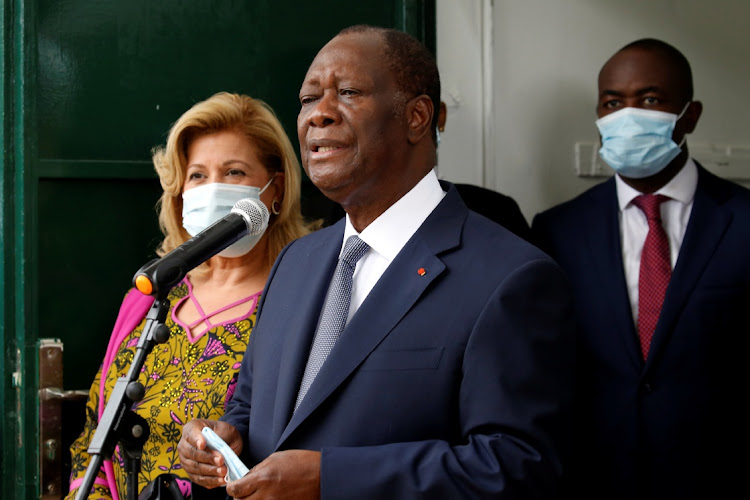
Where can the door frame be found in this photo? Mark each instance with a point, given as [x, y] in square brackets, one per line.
[18, 395]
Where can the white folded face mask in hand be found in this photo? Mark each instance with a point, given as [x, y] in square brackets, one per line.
[235, 468]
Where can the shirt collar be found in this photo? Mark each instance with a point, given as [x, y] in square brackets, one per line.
[388, 234]
[681, 187]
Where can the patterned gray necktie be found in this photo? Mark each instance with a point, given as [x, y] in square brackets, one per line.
[335, 312]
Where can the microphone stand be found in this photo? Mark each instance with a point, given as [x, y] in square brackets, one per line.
[119, 424]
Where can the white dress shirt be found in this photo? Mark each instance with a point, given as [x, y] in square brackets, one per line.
[675, 214]
[388, 234]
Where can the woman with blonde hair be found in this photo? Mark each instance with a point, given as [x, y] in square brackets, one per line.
[226, 148]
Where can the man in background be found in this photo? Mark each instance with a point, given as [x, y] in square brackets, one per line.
[658, 259]
[453, 375]
[495, 206]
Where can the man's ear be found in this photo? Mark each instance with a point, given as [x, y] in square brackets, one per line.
[692, 114]
[419, 113]
[442, 116]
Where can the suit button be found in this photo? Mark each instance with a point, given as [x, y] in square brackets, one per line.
[646, 387]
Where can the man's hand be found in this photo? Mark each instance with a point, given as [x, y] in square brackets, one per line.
[204, 466]
[290, 474]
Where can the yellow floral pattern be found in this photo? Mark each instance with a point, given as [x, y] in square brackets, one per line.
[182, 379]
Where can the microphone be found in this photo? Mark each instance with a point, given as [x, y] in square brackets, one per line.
[248, 216]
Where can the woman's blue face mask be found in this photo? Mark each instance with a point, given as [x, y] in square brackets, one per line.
[637, 142]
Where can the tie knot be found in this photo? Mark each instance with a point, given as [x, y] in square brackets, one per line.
[650, 204]
[354, 249]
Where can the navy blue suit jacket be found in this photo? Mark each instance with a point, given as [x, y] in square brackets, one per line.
[663, 428]
[451, 384]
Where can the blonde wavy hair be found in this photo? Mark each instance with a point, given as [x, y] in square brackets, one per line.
[254, 118]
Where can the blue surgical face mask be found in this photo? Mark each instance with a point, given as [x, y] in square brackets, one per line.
[637, 142]
[204, 205]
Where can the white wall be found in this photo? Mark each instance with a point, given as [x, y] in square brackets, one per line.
[519, 78]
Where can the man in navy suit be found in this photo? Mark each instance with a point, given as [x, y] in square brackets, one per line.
[658, 414]
[453, 377]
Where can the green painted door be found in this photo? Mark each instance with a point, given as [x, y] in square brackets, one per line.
[89, 87]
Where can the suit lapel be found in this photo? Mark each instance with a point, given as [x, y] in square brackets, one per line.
[602, 229]
[707, 225]
[309, 292]
[393, 296]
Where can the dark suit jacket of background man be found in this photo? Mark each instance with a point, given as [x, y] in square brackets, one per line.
[495, 206]
[668, 427]
[420, 393]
